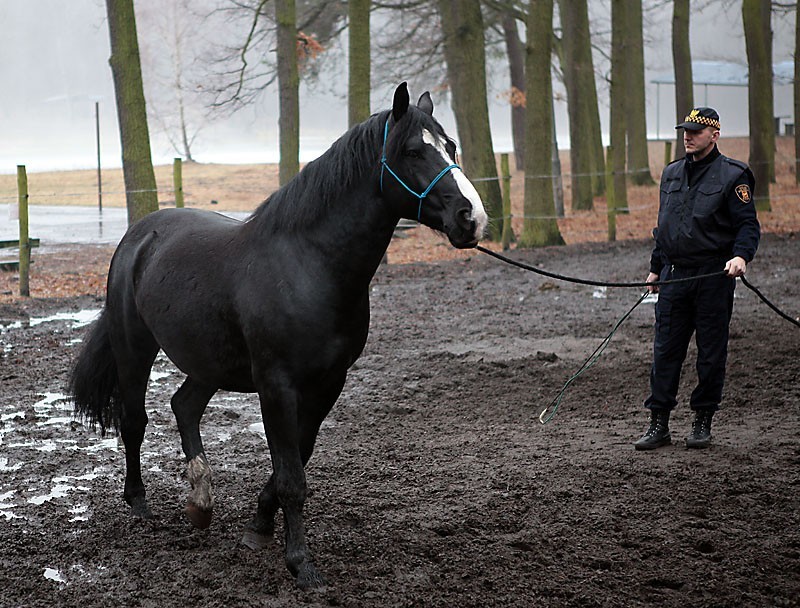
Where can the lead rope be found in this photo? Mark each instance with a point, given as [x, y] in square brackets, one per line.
[544, 417]
[587, 364]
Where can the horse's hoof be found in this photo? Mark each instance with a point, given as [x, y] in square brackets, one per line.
[309, 579]
[140, 508]
[201, 519]
[255, 541]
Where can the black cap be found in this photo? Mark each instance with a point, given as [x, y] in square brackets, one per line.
[700, 118]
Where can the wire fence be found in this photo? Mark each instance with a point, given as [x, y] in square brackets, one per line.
[215, 189]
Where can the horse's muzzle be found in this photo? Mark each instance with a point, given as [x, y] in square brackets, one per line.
[465, 233]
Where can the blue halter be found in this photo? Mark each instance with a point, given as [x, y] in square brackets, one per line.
[385, 165]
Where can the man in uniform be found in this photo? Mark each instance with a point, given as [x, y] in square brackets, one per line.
[706, 223]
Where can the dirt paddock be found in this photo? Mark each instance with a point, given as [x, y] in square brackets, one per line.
[433, 482]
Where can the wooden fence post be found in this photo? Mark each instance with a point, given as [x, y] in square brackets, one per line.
[506, 235]
[24, 244]
[611, 203]
[177, 182]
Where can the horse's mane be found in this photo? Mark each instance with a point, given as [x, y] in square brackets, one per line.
[353, 157]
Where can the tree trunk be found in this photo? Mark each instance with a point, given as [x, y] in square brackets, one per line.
[539, 227]
[619, 91]
[140, 181]
[581, 93]
[358, 108]
[636, 113]
[462, 26]
[682, 63]
[289, 91]
[797, 96]
[516, 66]
[758, 41]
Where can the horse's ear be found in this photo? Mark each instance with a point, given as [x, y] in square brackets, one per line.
[400, 104]
[425, 103]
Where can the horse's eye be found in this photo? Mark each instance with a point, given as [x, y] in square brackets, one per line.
[412, 153]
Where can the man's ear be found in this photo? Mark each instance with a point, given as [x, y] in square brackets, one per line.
[400, 103]
[425, 103]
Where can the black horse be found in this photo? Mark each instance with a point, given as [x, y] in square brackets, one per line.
[277, 305]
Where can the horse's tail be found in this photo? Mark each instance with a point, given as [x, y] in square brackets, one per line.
[94, 383]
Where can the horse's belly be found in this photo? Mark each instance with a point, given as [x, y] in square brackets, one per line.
[207, 353]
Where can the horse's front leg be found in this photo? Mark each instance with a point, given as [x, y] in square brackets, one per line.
[317, 403]
[279, 408]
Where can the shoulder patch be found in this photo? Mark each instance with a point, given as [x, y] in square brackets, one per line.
[743, 193]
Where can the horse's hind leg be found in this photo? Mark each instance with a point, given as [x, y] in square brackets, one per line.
[188, 404]
[134, 373]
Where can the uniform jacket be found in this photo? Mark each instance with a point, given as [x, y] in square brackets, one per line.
[706, 213]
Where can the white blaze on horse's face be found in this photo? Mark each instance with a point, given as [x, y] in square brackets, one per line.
[464, 185]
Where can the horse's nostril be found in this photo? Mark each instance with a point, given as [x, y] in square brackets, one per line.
[465, 215]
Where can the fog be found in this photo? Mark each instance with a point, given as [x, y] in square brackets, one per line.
[55, 68]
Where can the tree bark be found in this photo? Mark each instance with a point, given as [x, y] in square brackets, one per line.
[619, 88]
[289, 91]
[358, 108]
[758, 41]
[539, 226]
[636, 114]
[582, 108]
[462, 26]
[797, 96]
[682, 64]
[516, 66]
[140, 181]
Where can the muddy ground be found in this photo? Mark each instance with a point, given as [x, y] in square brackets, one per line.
[433, 483]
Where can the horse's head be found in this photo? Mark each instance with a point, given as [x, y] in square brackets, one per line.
[420, 177]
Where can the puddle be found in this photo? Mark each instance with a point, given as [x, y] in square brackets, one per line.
[54, 575]
[156, 376]
[258, 429]
[12, 416]
[48, 400]
[7, 469]
[58, 491]
[79, 513]
[79, 318]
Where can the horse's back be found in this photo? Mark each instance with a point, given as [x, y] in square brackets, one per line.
[173, 232]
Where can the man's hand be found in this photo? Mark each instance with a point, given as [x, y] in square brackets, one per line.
[736, 267]
[651, 278]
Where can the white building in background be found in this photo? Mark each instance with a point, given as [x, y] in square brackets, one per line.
[722, 85]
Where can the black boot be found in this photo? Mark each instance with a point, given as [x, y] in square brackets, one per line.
[658, 433]
[700, 437]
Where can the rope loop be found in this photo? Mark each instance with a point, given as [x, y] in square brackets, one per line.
[420, 196]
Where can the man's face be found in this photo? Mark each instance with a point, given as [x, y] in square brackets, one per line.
[699, 143]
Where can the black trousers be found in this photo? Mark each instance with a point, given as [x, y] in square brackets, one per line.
[702, 307]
